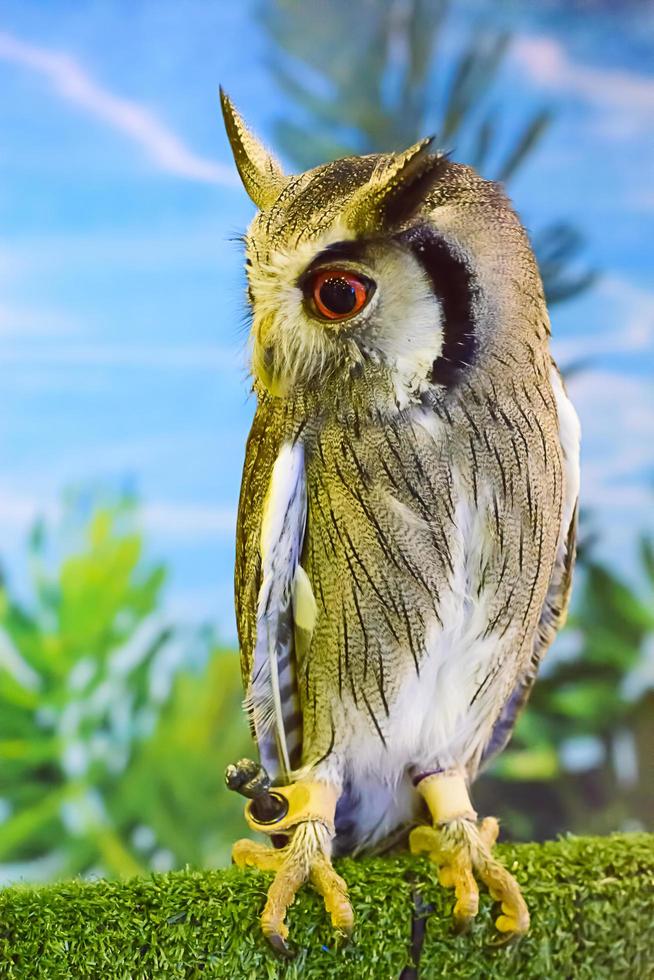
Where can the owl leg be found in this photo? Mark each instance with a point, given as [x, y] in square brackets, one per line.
[461, 848]
[308, 821]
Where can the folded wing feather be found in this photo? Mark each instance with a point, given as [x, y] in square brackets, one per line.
[285, 596]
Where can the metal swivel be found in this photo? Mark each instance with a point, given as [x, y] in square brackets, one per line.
[251, 780]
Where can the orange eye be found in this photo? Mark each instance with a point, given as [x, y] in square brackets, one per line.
[338, 294]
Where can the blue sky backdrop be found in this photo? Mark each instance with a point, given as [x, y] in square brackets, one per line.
[122, 350]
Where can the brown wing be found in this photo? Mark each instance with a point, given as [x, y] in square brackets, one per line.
[551, 620]
[260, 454]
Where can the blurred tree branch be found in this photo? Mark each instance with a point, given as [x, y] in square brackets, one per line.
[103, 745]
[380, 75]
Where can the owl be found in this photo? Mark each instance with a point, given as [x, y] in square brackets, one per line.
[406, 527]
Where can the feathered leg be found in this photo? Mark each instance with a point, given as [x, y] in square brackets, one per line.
[461, 848]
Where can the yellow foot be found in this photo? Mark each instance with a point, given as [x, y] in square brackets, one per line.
[461, 848]
[305, 858]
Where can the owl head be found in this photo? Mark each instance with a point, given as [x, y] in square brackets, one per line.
[405, 264]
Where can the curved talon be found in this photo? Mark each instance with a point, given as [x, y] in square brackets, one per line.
[334, 892]
[280, 945]
[290, 876]
[465, 889]
[455, 868]
[305, 857]
[461, 849]
[505, 889]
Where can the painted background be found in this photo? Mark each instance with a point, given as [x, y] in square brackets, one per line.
[122, 341]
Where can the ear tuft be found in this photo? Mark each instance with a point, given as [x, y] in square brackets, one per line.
[261, 174]
[397, 187]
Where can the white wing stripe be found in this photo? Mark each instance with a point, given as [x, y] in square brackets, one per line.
[570, 437]
[282, 534]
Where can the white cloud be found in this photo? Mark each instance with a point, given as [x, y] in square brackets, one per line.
[547, 63]
[16, 322]
[165, 520]
[188, 521]
[136, 122]
[617, 437]
[608, 500]
[209, 357]
[213, 603]
[20, 510]
[622, 101]
[627, 311]
[7, 261]
[617, 430]
[175, 246]
[640, 200]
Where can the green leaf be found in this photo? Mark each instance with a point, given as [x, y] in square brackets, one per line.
[540, 763]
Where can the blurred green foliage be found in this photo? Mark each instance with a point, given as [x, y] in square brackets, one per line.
[117, 727]
[581, 756]
[110, 759]
[384, 75]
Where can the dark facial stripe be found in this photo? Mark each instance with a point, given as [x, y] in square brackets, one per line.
[455, 289]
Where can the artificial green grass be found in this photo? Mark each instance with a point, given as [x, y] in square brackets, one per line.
[591, 899]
